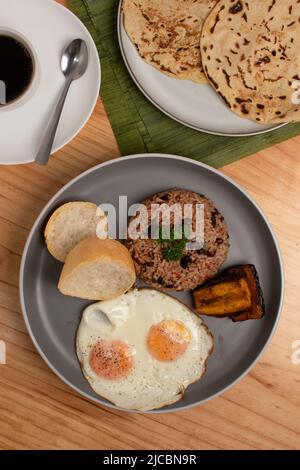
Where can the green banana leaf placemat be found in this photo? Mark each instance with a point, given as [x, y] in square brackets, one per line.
[138, 126]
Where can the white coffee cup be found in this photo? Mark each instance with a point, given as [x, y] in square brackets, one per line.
[35, 79]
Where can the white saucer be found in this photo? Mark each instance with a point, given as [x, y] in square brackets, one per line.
[47, 27]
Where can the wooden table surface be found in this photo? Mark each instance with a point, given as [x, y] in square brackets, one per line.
[38, 411]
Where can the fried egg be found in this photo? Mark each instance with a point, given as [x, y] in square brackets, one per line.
[141, 350]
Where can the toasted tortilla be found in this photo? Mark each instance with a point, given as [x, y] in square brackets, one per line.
[250, 52]
[166, 33]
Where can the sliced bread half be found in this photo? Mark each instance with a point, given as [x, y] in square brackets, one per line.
[97, 270]
[70, 224]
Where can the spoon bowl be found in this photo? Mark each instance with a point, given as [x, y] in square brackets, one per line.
[74, 60]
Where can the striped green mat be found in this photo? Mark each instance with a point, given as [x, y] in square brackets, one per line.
[138, 126]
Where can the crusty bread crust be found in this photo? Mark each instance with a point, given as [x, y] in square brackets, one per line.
[92, 250]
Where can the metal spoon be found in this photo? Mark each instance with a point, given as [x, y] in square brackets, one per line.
[74, 63]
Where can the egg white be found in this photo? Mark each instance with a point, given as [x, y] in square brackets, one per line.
[152, 383]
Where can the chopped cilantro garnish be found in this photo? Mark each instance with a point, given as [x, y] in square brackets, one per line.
[173, 247]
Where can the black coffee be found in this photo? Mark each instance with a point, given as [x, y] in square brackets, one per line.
[16, 67]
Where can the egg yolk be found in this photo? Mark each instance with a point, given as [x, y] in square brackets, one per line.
[111, 360]
[168, 340]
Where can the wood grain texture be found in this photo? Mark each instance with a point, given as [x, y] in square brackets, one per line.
[38, 411]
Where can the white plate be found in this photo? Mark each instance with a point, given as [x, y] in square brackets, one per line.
[47, 27]
[193, 105]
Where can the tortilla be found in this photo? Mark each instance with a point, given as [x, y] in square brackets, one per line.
[251, 56]
[166, 33]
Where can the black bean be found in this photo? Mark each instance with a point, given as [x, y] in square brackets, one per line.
[213, 219]
[160, 280]
[185, 261]
[210, 254]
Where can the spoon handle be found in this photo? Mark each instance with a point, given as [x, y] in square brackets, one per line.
[44, 151]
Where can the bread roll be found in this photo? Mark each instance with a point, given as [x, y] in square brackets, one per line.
[97, 270]
[70, 224]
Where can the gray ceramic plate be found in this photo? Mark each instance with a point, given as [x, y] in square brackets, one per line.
[52, 319]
